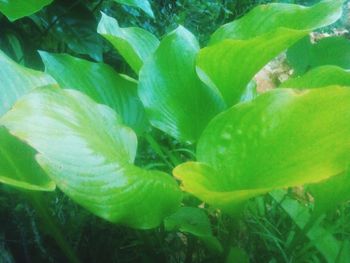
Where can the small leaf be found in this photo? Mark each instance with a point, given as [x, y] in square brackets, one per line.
[276, 141]
[238, 50]
[330, 192]
[304, 55]
[15, 9]
[142, 4]
[16, 81]
[319, 77]
[89, 154]
[101, 83]
[134, 44]
[176, 101]
[194, 221]
[18, 167]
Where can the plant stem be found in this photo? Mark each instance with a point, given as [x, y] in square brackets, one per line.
[41, 208]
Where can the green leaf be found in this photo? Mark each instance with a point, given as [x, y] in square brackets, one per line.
[304, 55]
[15, 9]
[89, 154]
[239, 49]
[142, 4]
[76, 27]
[276, 141]
[134, 44]
[237, 254]
[16, 81]
[101, 83]
[329, 193]
[176, 101]
[17, 165]
[319, 77]
[194, 221]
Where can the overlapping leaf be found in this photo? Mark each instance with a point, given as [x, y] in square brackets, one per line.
[176, 101]
[304, 55]
[101, 83]
[15, 9]
[18, 167]
[238, 50]
[134, 44]
[89, 154]
[319, 77]
[16, 81]
[17, 164]
[276, 141]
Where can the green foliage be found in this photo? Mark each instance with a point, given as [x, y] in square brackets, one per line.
[101, 83]
[82, 123]
[304, 55]
[16, 9]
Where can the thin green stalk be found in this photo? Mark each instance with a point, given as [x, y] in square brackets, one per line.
[41, 208]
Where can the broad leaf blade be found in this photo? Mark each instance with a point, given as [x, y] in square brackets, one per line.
[176, 101]
[276, 141]
[269, 17]
[18, 167]
[134, 44]
[16, 81]
[240, 49]
[319, 77]
[15, 9]
[142, 4]
[89, 154]
[101, 83]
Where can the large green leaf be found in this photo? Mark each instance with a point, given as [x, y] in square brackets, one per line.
[283, 138]
[142, 4]
[16, 81]
[319, 77]
[238, 50]
[17, 164]
[15, 9]
[304, 55]
[134, 44]
[89, 154]
[101, 83]
[176, 101]
[18, 167]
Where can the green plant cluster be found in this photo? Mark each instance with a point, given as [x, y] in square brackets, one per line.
[148, 141]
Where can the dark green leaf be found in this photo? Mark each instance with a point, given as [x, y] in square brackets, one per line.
[194, 221]
[304, 55]
[142, 4]
[101, 83]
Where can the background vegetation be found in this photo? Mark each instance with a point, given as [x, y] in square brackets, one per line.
[31, 224]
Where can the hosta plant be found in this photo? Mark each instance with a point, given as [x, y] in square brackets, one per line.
[76, 125]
